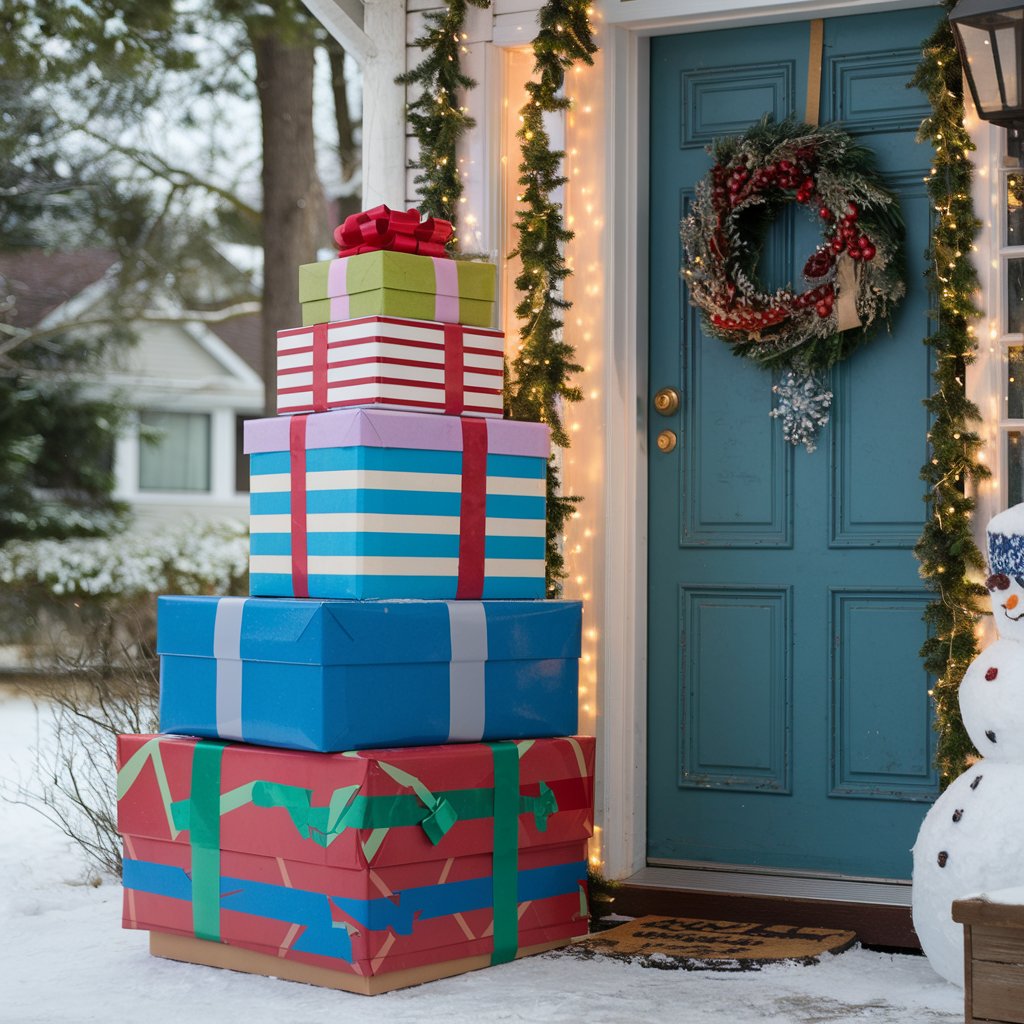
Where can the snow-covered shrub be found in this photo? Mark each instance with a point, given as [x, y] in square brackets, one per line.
[78, 604]
[193, 558]
[85, 611]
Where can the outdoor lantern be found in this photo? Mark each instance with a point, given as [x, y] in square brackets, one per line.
[990, 38]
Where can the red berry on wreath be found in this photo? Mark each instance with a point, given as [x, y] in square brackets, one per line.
[822, 309]
[818, 264]
[869, 252]
[825, 213]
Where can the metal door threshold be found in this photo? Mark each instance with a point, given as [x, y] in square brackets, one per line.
[743, 881]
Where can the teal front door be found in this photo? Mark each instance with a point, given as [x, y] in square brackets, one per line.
[789, 722]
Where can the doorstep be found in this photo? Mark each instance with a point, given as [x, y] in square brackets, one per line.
[878, 910]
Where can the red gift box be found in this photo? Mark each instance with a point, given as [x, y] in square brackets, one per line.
[362, 865]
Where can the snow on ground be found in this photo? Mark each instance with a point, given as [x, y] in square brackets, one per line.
[64, 958]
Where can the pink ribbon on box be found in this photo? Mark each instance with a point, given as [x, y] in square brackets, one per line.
[446, 295]
[384, 228]
[473, 509]
[446, 290]
[300, 557]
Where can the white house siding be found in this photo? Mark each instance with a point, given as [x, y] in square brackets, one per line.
[163, 353]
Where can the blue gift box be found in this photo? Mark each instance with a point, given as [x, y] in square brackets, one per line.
[331, 675]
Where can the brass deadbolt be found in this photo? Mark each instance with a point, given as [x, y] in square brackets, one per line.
[666, 401]
[666, 441]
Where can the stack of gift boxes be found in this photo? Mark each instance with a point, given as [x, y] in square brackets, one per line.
[366, 776]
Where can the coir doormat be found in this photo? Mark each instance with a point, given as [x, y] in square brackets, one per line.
[696, 944]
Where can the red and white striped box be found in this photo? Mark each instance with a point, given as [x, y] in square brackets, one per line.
[390, 363]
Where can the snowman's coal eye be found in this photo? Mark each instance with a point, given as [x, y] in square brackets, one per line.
[999, 581]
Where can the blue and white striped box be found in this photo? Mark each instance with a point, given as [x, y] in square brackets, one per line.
[366, 503]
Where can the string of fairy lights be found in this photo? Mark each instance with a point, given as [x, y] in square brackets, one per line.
[946, 550]
[538, 383]
[538, 375]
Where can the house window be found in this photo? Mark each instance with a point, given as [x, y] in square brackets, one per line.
[174, 453]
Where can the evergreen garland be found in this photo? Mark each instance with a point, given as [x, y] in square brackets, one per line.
[435, 117]
[538, 378]
[947, 551]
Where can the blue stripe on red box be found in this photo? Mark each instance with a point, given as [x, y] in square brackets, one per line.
[322, 934]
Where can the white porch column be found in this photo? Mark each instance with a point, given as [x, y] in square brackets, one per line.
[373, 32]
[384, 105]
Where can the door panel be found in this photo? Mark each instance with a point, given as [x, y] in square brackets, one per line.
[789, 721]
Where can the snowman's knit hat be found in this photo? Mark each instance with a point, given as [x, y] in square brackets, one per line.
[1006, 542]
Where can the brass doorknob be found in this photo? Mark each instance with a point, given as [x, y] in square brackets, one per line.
[666, 401]
[666, 441]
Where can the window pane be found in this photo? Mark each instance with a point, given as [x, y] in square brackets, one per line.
[978, 45]
[1015, 383]
[1014, 296]
[174, 454]
[1006, 45]
[1014, 474]
[1015, 209]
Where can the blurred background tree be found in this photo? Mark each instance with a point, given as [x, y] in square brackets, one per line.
[180, 138]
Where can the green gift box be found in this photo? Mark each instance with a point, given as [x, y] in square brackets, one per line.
[401, 284]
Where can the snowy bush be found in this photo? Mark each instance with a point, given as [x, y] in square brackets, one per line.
[195, 558]
[82, 604]
[85, 611]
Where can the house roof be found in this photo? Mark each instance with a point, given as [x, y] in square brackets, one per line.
[242, 335]
[39, 281]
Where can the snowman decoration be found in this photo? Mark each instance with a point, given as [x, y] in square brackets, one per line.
[972, 839]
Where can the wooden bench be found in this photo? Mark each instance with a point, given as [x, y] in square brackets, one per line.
[993, 958]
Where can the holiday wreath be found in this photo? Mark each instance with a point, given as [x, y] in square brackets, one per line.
[854, 277]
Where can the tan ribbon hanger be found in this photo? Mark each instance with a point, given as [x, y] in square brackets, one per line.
[813, 110]
[846, 269]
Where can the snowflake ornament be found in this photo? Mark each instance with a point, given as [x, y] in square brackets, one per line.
[803, 404]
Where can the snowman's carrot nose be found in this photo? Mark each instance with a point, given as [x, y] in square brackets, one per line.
[1011, 602]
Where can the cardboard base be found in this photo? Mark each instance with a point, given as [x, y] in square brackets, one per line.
[215, 954]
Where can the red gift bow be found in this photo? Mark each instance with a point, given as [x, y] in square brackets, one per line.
[384, 228]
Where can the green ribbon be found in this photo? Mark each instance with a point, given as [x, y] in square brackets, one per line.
[505, 870]
[346, 809]
[204, 836]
